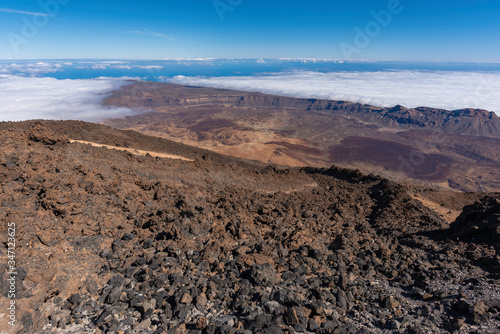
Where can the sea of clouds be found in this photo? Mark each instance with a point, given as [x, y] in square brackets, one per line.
[28, 92]
[439, 89]
[24, 94]
[23, 98]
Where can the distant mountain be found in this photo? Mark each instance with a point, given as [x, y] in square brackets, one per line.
[460, 151]
[475, 122]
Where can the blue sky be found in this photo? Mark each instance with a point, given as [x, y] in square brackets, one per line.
[419, 30]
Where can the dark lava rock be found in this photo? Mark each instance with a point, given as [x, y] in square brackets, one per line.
[222, 245]
[479, 222]
[263, 274]
[295, 316]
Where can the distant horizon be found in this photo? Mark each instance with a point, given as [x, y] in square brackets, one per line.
[267, 58]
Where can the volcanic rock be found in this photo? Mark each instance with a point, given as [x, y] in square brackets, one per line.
[215, 244]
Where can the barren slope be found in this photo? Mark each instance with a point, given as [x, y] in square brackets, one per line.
[108, 241]
[455, 149]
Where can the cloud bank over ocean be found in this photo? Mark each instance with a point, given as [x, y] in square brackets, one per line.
[24, 98]
[68, 89]
[438, 89]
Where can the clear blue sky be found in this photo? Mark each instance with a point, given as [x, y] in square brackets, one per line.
[421, 30]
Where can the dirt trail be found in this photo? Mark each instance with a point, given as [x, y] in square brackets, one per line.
[446, 213]
[134, 151]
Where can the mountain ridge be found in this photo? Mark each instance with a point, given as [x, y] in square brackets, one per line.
[478, 122]
[452, 149]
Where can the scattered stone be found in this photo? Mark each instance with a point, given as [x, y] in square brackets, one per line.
[186, 299]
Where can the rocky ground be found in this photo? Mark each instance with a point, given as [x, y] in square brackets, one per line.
[112, 242]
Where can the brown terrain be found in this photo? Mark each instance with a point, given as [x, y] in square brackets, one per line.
[119, 232]
[457, 149]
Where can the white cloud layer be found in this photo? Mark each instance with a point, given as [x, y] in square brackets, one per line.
[37, 68]
[439, 89]
[32, 68]
[23, 98]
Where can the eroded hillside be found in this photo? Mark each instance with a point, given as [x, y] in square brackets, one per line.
[452, 149]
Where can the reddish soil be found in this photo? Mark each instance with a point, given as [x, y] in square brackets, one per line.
[213, 124]
[393, 156]
[299, 148]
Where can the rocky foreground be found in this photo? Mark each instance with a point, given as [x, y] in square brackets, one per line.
[108, 241]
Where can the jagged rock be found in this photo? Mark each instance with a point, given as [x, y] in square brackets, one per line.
[479, 222]
[229, 246]
[263, 274]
